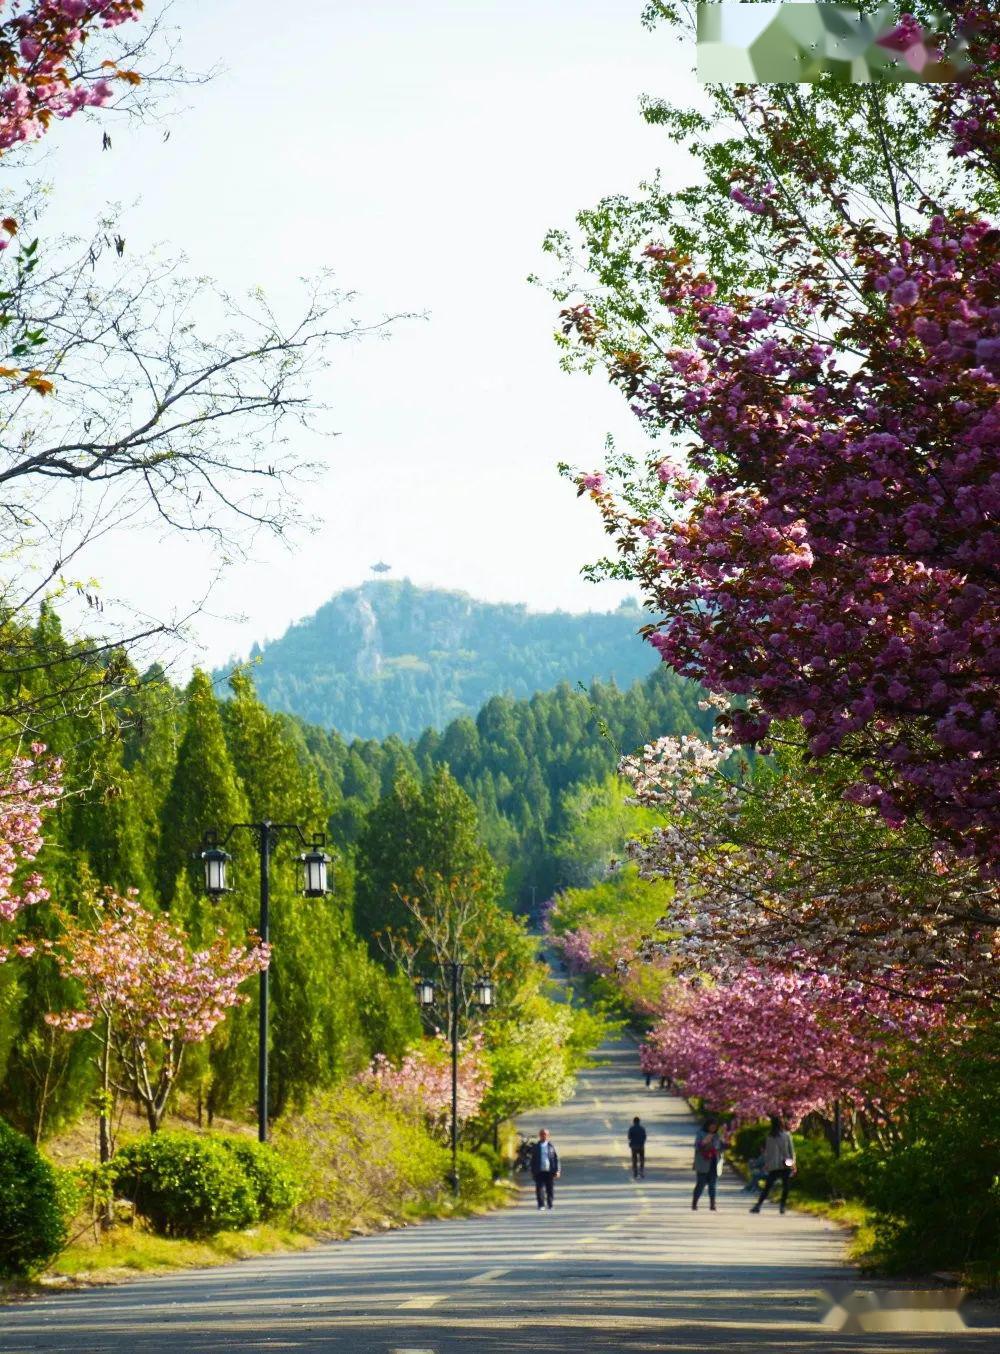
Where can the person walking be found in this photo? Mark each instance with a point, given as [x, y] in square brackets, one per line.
[637, 1142]
[779, 1162]
[545, 1168]
[709, 1146]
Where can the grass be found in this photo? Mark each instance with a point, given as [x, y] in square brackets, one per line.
[125, 1251]
[848, 1213]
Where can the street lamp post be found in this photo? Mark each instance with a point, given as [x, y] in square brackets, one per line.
[454, 970]
[216, 860]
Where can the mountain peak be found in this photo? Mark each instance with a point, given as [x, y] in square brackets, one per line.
[390, 657]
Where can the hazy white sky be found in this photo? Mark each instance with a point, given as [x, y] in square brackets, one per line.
[421, 150]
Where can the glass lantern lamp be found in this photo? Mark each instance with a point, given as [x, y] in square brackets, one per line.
[314, 867]
[216, 862]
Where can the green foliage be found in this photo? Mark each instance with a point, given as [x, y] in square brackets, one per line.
[204, 791]
[391, 658]
[32, 1222]
[597, 823]
[186, 1185]
[417, 831]
[475, 1176]
[274, 1183]
[49, 1073]
[937, 1193]
[622, 902]
[361, 1160]
[534, 1057]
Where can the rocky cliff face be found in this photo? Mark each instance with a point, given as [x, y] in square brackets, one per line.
[368, 662]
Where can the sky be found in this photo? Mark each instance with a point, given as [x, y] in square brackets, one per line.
[421, 151]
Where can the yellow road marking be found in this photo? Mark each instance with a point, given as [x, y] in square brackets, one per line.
[421, 1303]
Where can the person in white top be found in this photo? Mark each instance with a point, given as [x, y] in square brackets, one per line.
[779, 1162]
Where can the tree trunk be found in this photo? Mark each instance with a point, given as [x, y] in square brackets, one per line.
[104, 1113]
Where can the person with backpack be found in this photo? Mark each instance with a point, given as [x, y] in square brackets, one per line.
[779, 1162]
[709, 1146]
[545, 1168]
[637, 1144]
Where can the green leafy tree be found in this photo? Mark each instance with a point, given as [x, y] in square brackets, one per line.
[418, 830]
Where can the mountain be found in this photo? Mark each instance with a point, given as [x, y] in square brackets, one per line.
[392, 658]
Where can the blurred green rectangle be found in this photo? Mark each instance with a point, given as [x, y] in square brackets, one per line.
[806, 41]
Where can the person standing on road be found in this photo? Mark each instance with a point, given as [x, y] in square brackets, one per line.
[709, 1146]
[779, 1162]
[545, 1168]
[637, 1142]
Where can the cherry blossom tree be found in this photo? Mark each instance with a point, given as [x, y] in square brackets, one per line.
[770, 1042]
[776, 866]
[147, 995]
[30, 785]
[820, 539]
[42, 75]
[421, 1082]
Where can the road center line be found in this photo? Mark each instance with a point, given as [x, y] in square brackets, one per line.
[488, 1276]
[420, 1303]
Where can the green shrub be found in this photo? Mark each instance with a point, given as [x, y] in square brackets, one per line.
[276, 1186]
[492, 1158]
[748, 1141]
[361, 1159]
[822, 1175]
[937, 1205]
[475, 1176]
[32, 1219]
[186, 1185]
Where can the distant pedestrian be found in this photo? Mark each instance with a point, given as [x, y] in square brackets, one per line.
[709, 1146]
[779, 1162]
[663, 1083]
[545, 1168]
[637, 1142]
[649, 1078]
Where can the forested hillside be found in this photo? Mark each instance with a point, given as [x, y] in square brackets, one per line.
[523, 762]
[391, 658]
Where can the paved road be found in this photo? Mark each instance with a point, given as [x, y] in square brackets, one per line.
[618, 1266]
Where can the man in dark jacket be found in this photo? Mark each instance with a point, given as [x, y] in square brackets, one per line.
[637, 1142]
[545, 1168]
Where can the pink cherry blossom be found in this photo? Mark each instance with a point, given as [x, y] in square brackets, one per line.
[30, 785]
[147, 991]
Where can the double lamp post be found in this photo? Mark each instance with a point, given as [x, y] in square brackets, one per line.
[216, 860]
[482, 996]
[314, 861]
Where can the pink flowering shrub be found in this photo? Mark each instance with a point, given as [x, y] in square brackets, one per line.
[421, 1082]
